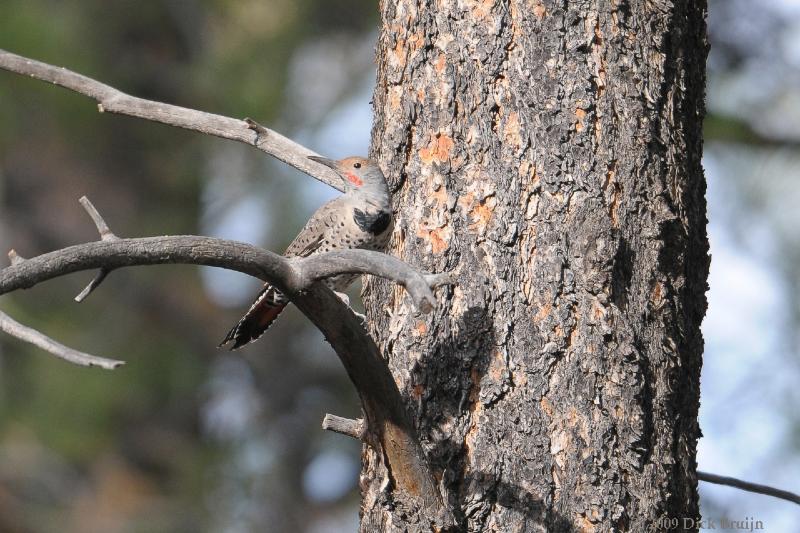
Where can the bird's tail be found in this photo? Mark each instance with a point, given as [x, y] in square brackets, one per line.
[258, 319]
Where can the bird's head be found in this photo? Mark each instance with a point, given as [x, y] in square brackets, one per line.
[358, 175]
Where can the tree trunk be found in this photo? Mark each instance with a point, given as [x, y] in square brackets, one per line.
[549, 154]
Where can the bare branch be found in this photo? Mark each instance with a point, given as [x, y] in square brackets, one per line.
[15, 329]
[749, 487]
[102, 228]
[345, 426]
[419, 286]
[114, 101]
[387, 421]
[388, 425]
[14, 257]
[96, 281]
[179, 249]
[106, 235]
[437, 280]
[289, 275]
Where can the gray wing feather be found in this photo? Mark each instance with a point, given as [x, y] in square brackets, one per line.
[313, 234]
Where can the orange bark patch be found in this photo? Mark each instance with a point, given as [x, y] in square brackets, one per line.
[399, 53]
[466, 201]
[657, 295]
[405, 47]
[438, 244]
[598, 311]
[416, 41]
[482, 213]
[438, 149]
[395, 96]
[544, 311]
[437, 237]
[539, 10]
[441, 62]
[420, 328]
[586, 524]
[496, 367]
[580, 114]
[547, 407]
[482, 8]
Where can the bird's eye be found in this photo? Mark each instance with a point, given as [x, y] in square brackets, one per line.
[356, 165]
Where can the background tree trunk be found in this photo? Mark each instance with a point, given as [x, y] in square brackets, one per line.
[548, 153]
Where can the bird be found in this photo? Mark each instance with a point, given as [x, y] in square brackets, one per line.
[360, 218]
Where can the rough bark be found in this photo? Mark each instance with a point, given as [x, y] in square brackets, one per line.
[548, 153]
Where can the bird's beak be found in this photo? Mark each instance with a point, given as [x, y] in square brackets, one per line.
[330, 163]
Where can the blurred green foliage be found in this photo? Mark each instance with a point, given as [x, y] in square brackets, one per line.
[89, 450]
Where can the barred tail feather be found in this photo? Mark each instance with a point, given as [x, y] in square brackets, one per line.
[258, 318]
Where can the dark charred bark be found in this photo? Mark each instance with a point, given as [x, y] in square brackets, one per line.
[548, 153]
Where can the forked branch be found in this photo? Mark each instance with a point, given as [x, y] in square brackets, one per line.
[387, 425]
[106, 235]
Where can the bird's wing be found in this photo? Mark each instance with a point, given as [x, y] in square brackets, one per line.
[313, 234]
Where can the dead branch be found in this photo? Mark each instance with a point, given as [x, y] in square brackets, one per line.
[345, 426]
[14, 257]
[29, 335]
[749, 487]
[291, 276]
[106, 235]
[387, 425]
[112, 100]
[317, 267]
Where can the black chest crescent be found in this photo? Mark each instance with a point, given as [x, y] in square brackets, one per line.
[374, 223]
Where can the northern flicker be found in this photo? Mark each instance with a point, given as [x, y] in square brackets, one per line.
[360, 218]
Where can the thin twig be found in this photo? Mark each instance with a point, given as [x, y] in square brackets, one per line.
[749, 487]
[14, 257]
[102, 228]
[114, 101]
[105, 235]
[15, 329]
[344, 426]
[96, 281]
